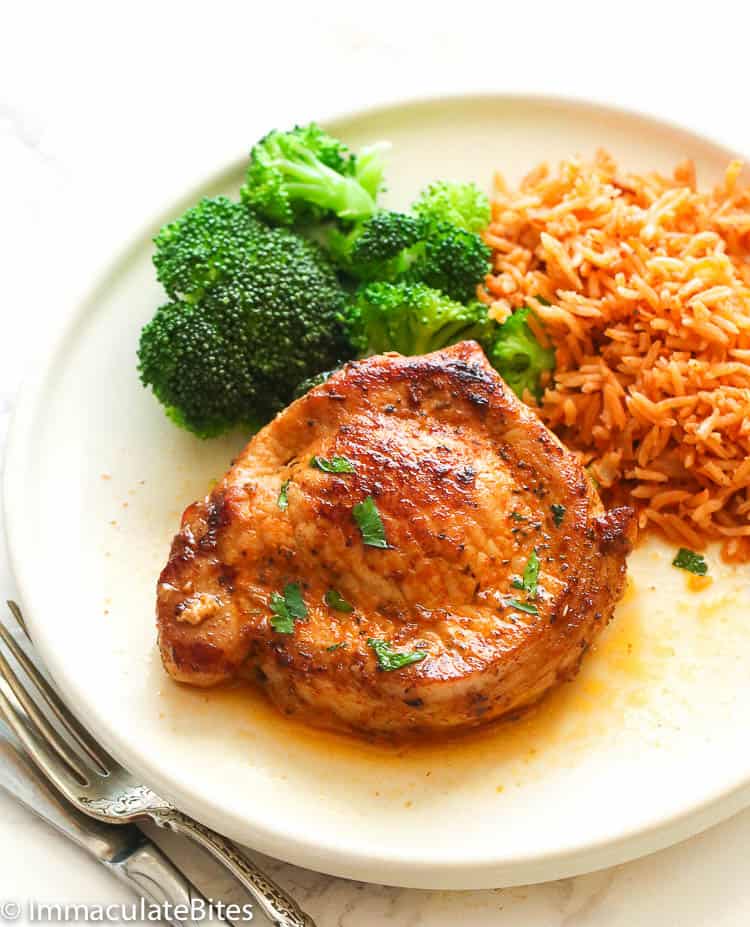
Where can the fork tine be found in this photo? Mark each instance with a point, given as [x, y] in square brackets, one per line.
[69, 722]
[16, 611]
[62, 773]
[39, 720]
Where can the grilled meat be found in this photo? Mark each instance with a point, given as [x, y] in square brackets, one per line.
[406, 549]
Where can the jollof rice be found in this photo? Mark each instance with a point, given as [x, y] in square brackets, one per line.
[642, 284]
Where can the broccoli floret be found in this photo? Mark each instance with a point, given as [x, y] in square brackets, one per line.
[305, 175]
[452, 260]
[392, 246]
[410, 318]
[235, 354]
[195, 363]
[461, 204]
[292, 298]
[376, 249]
[518, 357]
[207, 243]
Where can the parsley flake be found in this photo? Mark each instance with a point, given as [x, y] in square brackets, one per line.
[336, 601]
[527, 607]
[558, 513]
[335, 647]
[287, 608]
[687, 559]
[531, 575]
[333, 464]
[370, 523]
[283, 500]
[390, 659]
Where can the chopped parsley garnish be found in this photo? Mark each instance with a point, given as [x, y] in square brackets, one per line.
[558, 513]
[390, 659]
[687, 559]
[283, 500]
[527, 607]
[336, 601]
[335, 647]
[287, 608]
[333, 464]
[531, 575]
[370, 523]
[517, 516]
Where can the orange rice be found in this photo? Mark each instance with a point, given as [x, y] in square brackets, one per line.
[648, 285]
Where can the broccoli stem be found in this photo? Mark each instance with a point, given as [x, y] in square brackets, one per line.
[341, 194]
[325, 187]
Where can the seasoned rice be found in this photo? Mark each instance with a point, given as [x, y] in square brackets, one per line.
[642, 284]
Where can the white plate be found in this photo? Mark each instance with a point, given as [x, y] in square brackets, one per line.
[646, 747]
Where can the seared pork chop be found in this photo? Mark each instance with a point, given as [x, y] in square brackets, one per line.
[405, 549]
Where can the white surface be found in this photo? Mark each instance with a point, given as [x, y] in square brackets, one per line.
[656, 696]
[87, 147]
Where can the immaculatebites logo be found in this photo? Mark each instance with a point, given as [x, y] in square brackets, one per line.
[137, 912]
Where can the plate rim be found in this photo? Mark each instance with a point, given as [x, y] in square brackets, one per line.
[482, 872]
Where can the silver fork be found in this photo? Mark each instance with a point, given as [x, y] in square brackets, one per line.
[99, 786]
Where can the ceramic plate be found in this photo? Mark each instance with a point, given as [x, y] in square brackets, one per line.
[645, 747]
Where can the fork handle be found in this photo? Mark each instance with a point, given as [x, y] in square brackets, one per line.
[153, 876]
[279, 907]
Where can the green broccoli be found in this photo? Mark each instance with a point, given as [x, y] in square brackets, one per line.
[305, 175]
[516, 354]
[410, 318]
[368, 167]
[376, 249]
[452, 260]
[461, 204]
[204, 245]
[235, 352]
[194, 360]
[393, 246]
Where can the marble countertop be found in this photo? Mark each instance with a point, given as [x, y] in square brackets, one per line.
[108, 112]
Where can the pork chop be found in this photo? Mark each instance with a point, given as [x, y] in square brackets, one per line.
[406, 549]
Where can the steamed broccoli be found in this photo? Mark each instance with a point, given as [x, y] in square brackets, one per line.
[194, 360]
[376, 249]
[207, 243]
[393, 246]
[519, 358]
[410, 318]
[261, 318]
[461, 204]
[305, 175]
[452, 260]
[368, 168]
